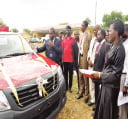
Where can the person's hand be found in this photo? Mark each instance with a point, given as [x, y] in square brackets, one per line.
[90, 63]
[96, 75]
[34, 48]
[51, 44]
[125, 91]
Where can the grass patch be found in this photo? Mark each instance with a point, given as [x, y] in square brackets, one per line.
[75, 109]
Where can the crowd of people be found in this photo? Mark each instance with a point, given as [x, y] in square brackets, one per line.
[104, 51]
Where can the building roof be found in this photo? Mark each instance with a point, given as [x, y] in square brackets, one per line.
[57, 27]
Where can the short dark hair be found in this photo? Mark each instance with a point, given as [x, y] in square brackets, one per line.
[68, 27]
[126, 27]
[53, 30]
[85, 23]
[61, 32]
[118, 26]
[103, 32]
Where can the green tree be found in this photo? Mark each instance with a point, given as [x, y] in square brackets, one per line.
[15, 30]
[28, 31]
[108, 18]
[88, 20]
[2, 22]
[65, 23]
[126, 17]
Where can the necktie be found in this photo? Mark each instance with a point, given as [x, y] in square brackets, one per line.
[98, 48]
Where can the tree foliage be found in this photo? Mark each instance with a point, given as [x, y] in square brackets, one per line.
[126, 18]
[15, 30]
[28, 31]
[88, 20]
[64, 23]
[2, 22]
[108, 18]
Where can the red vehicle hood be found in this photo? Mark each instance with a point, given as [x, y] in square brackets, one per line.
[21, 69]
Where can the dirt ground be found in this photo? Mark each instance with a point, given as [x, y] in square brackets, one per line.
[75, 109]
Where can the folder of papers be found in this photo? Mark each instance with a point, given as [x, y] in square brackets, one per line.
[122, 99]
[87, 73]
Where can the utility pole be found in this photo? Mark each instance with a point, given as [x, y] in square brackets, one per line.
[95, 11]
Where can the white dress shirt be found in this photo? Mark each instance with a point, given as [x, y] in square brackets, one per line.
[81, 43]
[92, 49]
[125, 69]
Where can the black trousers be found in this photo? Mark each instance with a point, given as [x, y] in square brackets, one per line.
[97, 91]
[77, 72]
[61, 64]
[68, 74]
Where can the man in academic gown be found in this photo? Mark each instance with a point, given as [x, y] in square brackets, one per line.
[106, 107]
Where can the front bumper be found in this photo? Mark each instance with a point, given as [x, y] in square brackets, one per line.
[46, 108]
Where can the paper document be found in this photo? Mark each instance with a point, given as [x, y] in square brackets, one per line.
[87, 73]
[122, 99]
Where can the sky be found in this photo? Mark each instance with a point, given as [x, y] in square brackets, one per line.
[32, 14]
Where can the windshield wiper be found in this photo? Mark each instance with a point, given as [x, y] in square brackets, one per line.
[4, 57]
[17, 54]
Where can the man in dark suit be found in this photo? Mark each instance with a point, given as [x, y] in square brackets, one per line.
[99, 61]
[76, 49]
[52, 47]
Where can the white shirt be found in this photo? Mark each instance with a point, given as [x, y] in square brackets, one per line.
[125, 69]
[81, 43]
[92, 49]
[53, 39]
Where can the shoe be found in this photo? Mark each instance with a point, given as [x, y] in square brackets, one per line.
[70, 90]
[92, 115]
[77, 92]
[79, 97]
[91, 104]
[86, 100]
[94, 108]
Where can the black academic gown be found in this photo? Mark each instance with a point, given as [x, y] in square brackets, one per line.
[99, 64]
[106, 107]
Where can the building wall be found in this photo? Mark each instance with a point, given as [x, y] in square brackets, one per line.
[39, 35]
[26, 36]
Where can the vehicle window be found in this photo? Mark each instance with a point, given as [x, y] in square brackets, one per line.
[10, 44]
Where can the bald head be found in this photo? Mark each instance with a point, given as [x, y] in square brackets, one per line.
[76, 32]
[96, 29]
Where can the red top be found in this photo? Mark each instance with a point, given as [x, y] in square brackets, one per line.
[67, 49]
